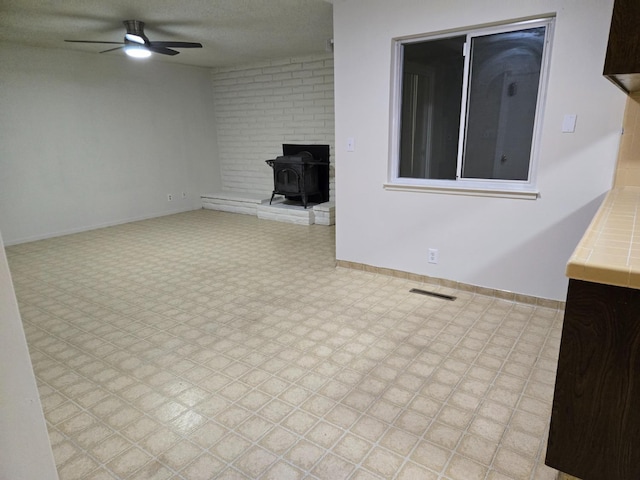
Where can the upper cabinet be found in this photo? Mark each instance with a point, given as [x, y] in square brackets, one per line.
[622, 64]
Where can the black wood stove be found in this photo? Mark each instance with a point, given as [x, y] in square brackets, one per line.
[302, 173]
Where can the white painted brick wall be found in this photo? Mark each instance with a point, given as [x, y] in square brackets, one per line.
[259, 107]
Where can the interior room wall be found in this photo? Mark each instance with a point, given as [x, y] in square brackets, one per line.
[25, 451]
[628, 167]
[508, 244]
[90, 140]
[262, 105]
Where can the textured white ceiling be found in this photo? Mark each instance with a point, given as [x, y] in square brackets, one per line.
[231, 31]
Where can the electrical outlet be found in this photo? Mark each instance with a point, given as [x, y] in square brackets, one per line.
[433, 255]
[169, 197]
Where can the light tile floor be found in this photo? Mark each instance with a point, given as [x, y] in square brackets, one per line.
[214, 345]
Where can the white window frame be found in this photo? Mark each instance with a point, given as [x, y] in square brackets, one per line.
[468, 186]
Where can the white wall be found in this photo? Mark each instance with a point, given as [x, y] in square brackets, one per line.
[25, 451]
[89, 140]
[263, 105]
[507, 244]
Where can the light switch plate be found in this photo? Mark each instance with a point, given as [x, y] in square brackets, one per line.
[351, 144]
[569, 123]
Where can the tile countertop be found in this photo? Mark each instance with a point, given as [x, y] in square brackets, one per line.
[609, 251]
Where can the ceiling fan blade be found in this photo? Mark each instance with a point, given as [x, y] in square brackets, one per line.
[162, 50]
[112, 49]
[176, 44]
[92, 41]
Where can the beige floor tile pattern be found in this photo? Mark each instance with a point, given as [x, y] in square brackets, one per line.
[213, 345]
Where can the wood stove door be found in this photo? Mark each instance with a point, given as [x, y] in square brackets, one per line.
[286, 180]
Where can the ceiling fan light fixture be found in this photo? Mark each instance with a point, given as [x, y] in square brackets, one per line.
[132, 37]
[137, 51]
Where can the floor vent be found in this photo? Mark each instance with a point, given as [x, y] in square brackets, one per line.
[432, 294]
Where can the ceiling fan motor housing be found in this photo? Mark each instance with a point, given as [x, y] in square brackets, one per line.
[135, 28]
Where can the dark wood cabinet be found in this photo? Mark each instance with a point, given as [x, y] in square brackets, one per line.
[595, 420]
[622, 63]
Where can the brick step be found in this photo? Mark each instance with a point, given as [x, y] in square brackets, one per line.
[281, 210]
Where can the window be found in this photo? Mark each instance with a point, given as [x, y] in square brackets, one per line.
[467, 108]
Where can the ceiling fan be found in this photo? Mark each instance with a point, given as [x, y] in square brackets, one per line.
[136, 44]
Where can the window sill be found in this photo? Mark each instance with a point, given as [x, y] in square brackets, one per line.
[474, 191]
